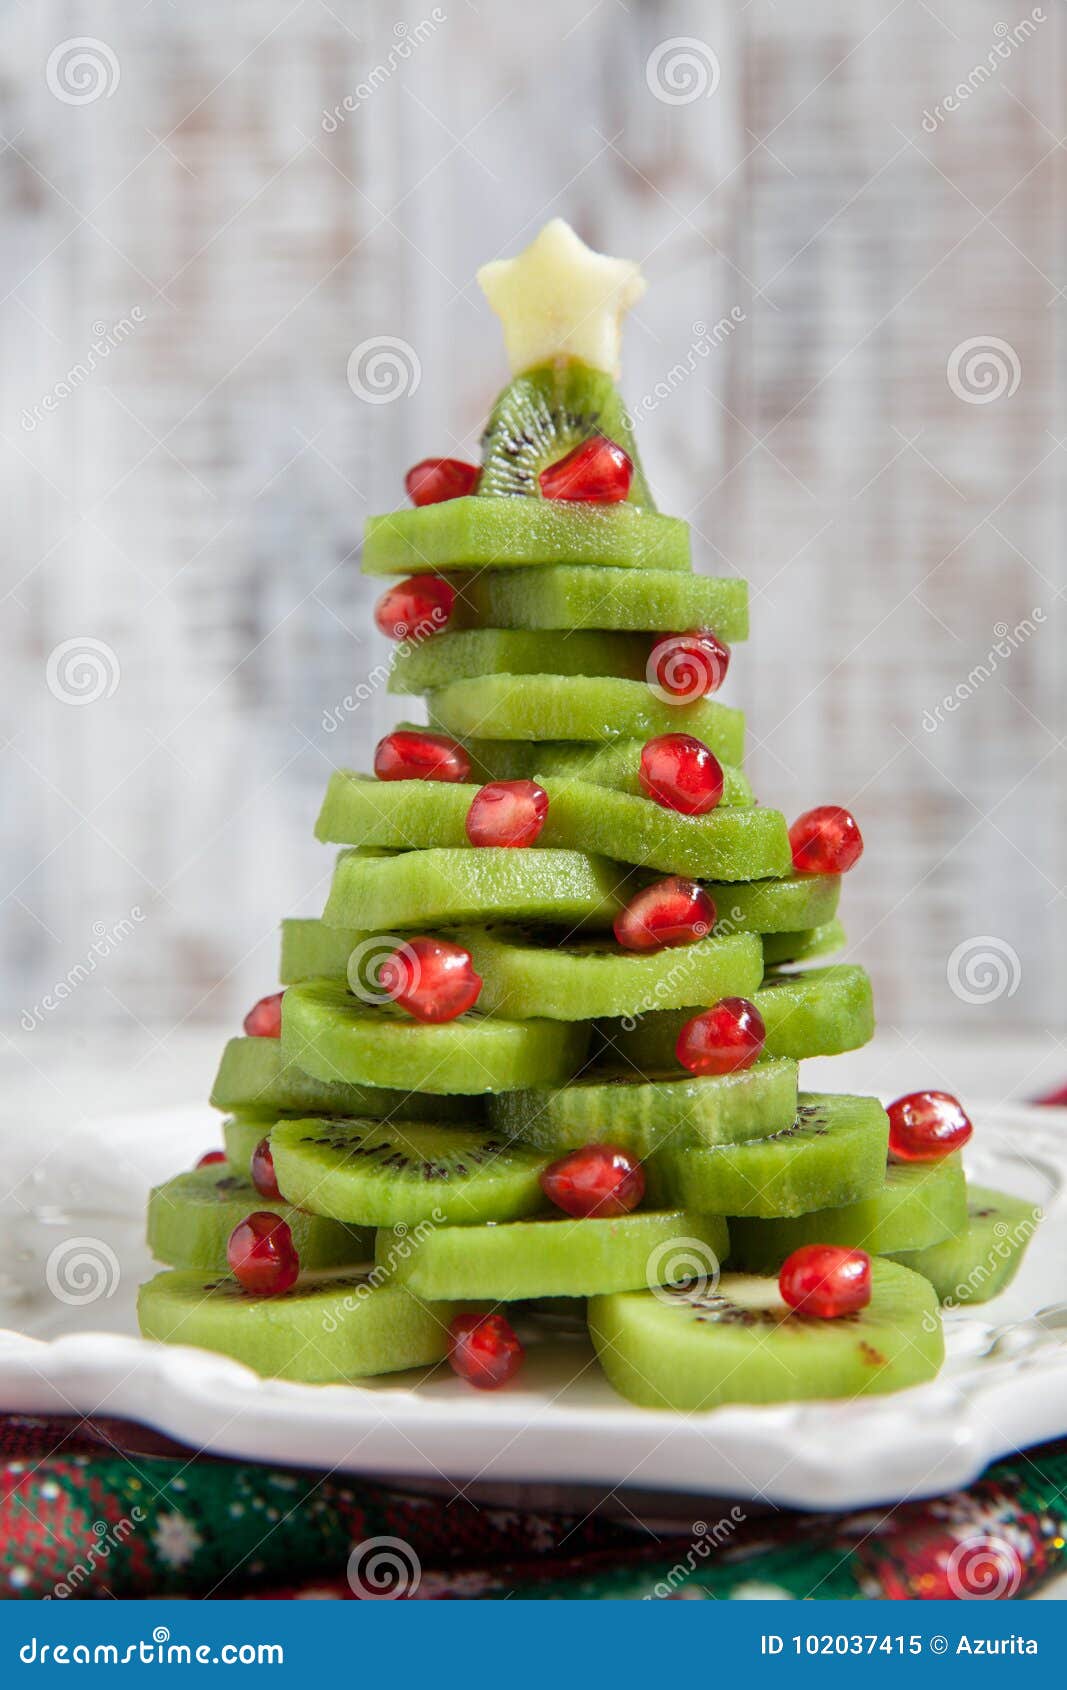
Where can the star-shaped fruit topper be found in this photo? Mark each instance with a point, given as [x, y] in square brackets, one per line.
[559, 298]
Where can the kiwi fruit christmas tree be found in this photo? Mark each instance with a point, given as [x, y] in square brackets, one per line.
[544, 1040]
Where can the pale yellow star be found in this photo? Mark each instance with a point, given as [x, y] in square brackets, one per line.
[560, 298]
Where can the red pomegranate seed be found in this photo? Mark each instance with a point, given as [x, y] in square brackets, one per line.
[596, 472]
[599, 1180]
[210, 1157]
[825, 841]
[672, 912]
[264, 1019]
[419, 606]
[926, 1125]
[728, 1036]
[432, 481]
[261, 1254]
[483, 1349]
[680, 773]
[262, 1170]
[686, 667]
[420, 756]
[430, 978]
[507, 812]
[826, 1280]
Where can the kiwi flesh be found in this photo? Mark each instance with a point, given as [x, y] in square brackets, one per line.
[191, 1217]
[256, 1076]
[617, 763]
[543, 414]
[327, 1329]
[339, 1038]
[313, 951]
[984, 1261]
[527, 972]
[571, 596]
[479, 533]
[557, 1257]
[241, 1132]
[815, 1012]
[514, 651]
[699, 1347]
[731, 843]
[587, 707]
[643, 1113]
[437, 887]
[920, 1204]
[834, 1153]
[786, 949]
[373, 1173]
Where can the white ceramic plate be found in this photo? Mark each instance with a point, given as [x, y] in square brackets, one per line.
[1004, 1385]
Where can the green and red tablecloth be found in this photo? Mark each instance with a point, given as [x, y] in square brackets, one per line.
[104, 1509]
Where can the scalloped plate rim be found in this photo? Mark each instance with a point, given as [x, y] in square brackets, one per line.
[927, 1440]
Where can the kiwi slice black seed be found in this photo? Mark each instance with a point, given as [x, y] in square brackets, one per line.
[544, 414]
[390, 1174]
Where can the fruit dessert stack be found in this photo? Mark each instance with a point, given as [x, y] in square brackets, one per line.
[543, 1042]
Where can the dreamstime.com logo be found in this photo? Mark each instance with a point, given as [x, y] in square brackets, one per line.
[686, 1267]
[406, 37]
[80, 1271]
[82, 670]
[1006, 641]
[983, 970]
[402, 1240]
[384, 1569]
[983, 369]
[705, 1539]
[1008, 1240]
[381, 967]
[105, 940]
[384, 368]
[682, 70]
[82, 70]
[984, 1569]
[682, 668]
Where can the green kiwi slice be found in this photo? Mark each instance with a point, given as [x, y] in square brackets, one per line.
[313, 951]
[571, 596]
[731, 843]
[616, 1106]
[616, 764]
[515, 651]
[257, 1076]
[327, 1329]
[525, 972]
[818, 1011]
[375, 1173]
[920, 1203]
[783, 949]
[834, 1153]
[190, 1219]
[541, 416]
[241, 1133]
[419, 815]
[777, 906]
[338, 1037]
[477, 533]
[553, 1258]
[981, 1264]
[815, 1012]
[699, 1347]
[425, 889]
[590, 707]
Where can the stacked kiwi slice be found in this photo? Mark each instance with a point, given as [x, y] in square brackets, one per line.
[413, 1153]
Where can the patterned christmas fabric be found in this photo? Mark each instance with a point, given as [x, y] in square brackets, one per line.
[103, 1509]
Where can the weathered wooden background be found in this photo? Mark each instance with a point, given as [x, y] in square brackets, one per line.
[228, 231]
